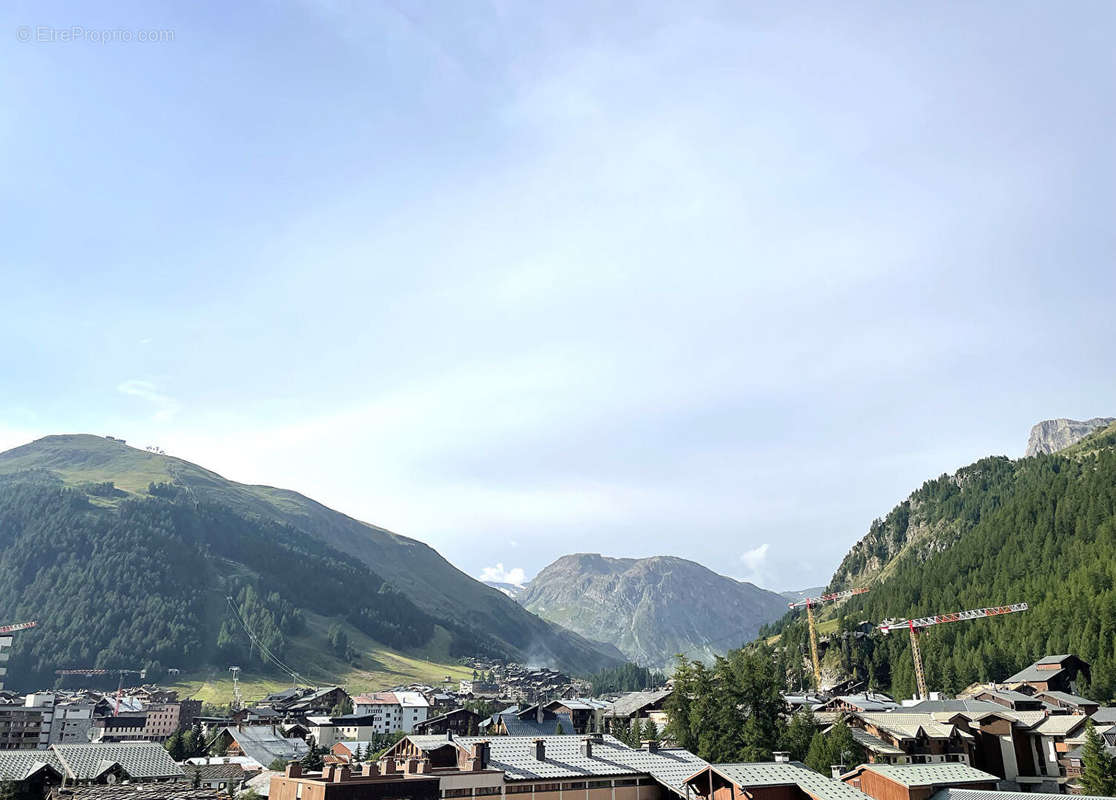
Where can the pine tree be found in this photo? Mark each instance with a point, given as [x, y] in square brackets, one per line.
[650, 730]
[1098, 774]
[799, 734]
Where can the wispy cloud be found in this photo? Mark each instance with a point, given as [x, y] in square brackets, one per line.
[498, 574]
[165, 405]
[755, 561]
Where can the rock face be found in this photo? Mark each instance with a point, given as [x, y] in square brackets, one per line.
[651, 608]
[1052, 435]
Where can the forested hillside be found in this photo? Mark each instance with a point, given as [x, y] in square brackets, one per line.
[125, 555]
[149, 582]
[1040, 530]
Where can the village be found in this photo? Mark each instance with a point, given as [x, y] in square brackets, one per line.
[545, 737]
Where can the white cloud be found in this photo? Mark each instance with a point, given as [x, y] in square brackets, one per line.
[755, 561]
[165, 406]
[498, 574]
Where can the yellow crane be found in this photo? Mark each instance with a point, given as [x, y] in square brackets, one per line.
[810, 602]
[916, 626]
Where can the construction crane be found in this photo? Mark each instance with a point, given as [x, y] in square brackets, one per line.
[810, 602]
[7, 642]
[89, 673]
[916, 626]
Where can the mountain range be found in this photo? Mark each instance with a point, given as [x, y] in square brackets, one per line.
[651, 608]
[124, 554]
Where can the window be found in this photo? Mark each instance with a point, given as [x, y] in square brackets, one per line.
[457, 793]
[600, 784]
[482, 791]
[574, 785]
[625, 782]
[518, 788]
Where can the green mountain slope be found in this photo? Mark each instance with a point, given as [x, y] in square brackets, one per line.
[1040, 530]
[653, 608]
[177, 538]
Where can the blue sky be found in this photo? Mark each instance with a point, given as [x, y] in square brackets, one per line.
[718, 280]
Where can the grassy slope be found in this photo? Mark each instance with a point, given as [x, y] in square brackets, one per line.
[379, 667]
[416, 569]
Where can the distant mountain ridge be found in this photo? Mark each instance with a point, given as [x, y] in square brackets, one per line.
[394, 589]
[1052, 435]
[651, 608]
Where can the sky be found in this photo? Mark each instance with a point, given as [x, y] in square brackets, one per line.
[724, 281]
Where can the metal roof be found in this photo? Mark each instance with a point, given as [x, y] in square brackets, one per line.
[515, 755]
[873, 743]
[907, 726]
[929, 774]
[1060, 724]
[634, 702]
[788, 773]
[263, 745]
[1104, 715]
[1066, 697]
[139, 759]
[137, 791]
[984, 794]
[15, 765]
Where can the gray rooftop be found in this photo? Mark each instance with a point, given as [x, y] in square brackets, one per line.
[263, 745]
[1105, 715]
[141, 760]
[138, 791]
[515, 755]
[983, 794]
[930, 774]
[15, 765]
[1066, 697]
[634, 702]
[788, 773]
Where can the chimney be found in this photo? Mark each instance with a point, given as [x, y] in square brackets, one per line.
[294, 770]
[837, 770]
[781, 757]
[480, 753]
[540, 749]
[341, 773]
[650, 745]
[587, 747]
[369, 770]
[327, 772]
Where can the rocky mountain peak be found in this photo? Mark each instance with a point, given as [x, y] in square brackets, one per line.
[1052, 435]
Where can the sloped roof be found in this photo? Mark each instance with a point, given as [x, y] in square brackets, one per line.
[138, 791]
[1104, 715]
[528, 724]
[140, 760]
[412, 700]
[515, 755]
[216, 772]
[873, 743]
[788, 773]
[1066, 697]
[1010, 695]
[907, 726]
[15, 765]
[967, 705]
[263, 745]
[1034, 674]
[984, 794]
[634, 702]
[928, 774]
[1060, 724]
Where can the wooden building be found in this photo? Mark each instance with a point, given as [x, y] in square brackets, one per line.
[915, 781]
